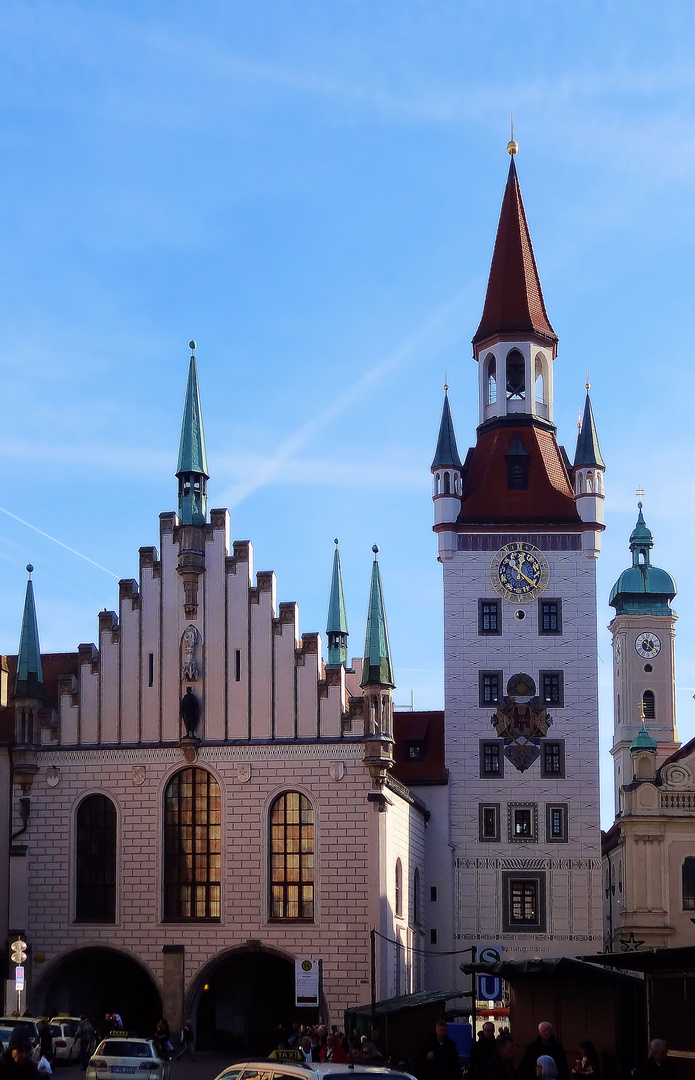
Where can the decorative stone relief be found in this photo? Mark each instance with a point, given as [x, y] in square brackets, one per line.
[52, 779]
[242, 772]
[336, 770]
[138, 775]
[189, 647]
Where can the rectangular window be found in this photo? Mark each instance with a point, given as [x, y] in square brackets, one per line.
[489, 687]
[523, 901]
[489, 822]
[553, 759]
[550, 616]
[433, 937]
[552, 688]
[491, 759]
[556, 823]
[237, 665]
[150, 670]
[522, 823]
[433, 893]
[489, 617]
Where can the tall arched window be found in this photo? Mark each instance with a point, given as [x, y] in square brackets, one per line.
[415, 910]
[399, 888]
[96, 860]
[540, 381]
[292, 857]
[689, 884]
[192, 846]
[649, 705]
[491, 380]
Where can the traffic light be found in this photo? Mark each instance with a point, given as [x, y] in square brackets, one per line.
[19, 951]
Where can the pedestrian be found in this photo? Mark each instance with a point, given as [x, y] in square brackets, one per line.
[16, 1061]
[501, 1064]
[333, 1051]
[161, 1039]
[658, 1063]
[187, 1042]
[482, 1050]
[588, 1063]
[546, 1043]
[439, 1059]
[85, 1036]
[46, 1040]
[545, 1066]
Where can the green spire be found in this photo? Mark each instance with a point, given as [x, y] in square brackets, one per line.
[643, 741]
[29, 680]
[192, 469]
[336, 626]
[642, 589]
[588, 451]
[376, 666]
[447, 450]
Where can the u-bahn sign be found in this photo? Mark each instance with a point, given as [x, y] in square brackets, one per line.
[307, 979]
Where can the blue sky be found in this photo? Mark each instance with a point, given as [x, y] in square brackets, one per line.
[311, 190]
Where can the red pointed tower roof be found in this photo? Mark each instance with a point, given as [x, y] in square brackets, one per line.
[514, 302]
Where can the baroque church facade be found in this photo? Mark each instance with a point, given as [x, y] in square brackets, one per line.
[206, 774]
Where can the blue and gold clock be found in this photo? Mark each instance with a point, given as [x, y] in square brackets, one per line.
[519, 572]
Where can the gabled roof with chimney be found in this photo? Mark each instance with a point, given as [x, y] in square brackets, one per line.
[514, 302]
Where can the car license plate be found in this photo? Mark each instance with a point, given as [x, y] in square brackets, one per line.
[122, 1069]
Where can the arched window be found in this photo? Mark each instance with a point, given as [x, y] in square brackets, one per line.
[399, 889]
[447, 483]
[192, 846]
[516, 376]
[292, 857]
[491, 381]
[416, 898]
[96, 860]
[540, 381]
[689, 884]
[649, 705]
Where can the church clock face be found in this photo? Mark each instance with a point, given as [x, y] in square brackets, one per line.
[648, 645]
[519, 572]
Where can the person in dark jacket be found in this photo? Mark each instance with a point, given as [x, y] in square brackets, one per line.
[546, 1043]
[501, 1066]
[658, 1063]
[482, 1050]
[16, 1063]
[439, 1059]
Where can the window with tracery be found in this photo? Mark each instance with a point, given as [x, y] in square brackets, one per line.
[192, 846]
[292, 857]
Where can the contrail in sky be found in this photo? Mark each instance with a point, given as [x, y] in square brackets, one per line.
[60, 542]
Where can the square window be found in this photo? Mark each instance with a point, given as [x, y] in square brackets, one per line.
[489, 688]
[489, 617]
[553, 759]
[488, 822]
[522, 823]
[552, 688]
[556, 823]
[523, 901]
[491, 758]
[414, 751]
[550, 616]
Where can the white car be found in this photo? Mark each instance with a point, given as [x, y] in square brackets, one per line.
[126, 1056]
[65, 1046]
[311, 1070]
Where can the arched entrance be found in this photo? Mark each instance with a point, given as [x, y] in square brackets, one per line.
[241, 999]
[96, 981]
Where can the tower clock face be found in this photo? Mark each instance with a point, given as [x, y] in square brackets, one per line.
[518, 572]
[648, 645]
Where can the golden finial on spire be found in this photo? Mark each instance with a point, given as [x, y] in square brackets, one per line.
[446, 382]
[512, 146]
[587, 383]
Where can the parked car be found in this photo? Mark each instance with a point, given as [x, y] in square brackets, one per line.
[126, 1056]
[65, 1046]
[29, 1022]
[311, 1070]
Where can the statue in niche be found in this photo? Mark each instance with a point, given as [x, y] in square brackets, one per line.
[190, 712]
[189, 644]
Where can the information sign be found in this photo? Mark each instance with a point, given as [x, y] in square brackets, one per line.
[19, 977]
[307, 976]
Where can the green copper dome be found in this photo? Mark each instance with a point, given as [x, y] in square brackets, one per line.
[642, 589]
[643, 741]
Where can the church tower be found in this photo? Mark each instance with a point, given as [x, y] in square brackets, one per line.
[643, 659]
[518, 531]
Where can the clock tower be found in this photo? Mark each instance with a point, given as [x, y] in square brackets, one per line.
[643, 658]
[518, 528]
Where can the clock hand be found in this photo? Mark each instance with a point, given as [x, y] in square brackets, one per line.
[523, 575]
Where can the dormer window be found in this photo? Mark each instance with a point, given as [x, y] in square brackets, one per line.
[517, 466]
[516, 376]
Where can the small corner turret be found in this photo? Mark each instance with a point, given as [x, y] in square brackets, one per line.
[377, 683]
[588, 470]
[336, 624]
[192, 468]
[446, 469]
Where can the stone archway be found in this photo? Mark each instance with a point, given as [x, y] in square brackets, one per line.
[96, 981]
[241, 999]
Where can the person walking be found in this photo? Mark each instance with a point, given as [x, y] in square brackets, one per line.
[439, 1059]
[482, 1050]
[85, 1035]
[501, 1065]
[187, 1042]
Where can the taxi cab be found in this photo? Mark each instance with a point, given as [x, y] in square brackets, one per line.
[65, 1046]
[125, 1055]
[291, 1069]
